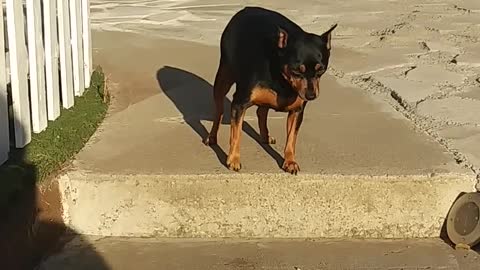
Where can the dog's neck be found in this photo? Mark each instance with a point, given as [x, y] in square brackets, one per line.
[280, 85]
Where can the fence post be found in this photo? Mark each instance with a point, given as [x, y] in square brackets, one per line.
[18, 71]
[38, 97]
[4, 130]
[77, 48]
[51, 57]
[66, 68]
[87, 42]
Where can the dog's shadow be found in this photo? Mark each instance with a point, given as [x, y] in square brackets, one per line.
[193, 97]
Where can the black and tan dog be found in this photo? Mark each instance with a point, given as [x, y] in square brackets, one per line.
[275, 65]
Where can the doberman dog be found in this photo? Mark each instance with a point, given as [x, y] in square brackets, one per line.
[275, 65]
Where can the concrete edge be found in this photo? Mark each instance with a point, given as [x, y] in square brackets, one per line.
[100, 177]
[260, 205]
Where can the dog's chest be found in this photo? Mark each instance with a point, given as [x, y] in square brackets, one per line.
[268, 98]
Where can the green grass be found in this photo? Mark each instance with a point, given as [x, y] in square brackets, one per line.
[50, 149]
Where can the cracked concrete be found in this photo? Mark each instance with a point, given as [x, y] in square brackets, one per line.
[452, 110]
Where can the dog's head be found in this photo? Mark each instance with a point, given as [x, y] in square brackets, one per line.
[304, 60]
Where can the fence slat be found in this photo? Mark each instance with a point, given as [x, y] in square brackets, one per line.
[38, 96]
[66, 68]
[4, 130]
[87, 42]
[51, 57]
[77, 46]
[18, 71]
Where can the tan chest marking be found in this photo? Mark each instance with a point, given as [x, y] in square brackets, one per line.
[266, 97]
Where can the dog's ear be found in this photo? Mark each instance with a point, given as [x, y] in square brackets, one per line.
[282, 38]
[327, 36]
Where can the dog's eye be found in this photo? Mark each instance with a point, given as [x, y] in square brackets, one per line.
[319, 73]
[319, 69]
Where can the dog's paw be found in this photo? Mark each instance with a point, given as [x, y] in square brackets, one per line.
[233, 163]
[210, 140]
[291, 166]
[269, 140]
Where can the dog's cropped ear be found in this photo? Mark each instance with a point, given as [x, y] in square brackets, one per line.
[327, 36]
[282, 38]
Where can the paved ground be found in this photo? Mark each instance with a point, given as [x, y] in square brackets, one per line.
[148, 254]
[391, 142]
[164, 109]
[421, 58]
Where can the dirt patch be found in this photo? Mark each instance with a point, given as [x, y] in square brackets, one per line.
[32, 227]
[31, 224]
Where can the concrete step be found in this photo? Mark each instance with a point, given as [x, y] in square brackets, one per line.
[147, 254]
[260, 205]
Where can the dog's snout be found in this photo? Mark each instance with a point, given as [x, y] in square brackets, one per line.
[310, 95]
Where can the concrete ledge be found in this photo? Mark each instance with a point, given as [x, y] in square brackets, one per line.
[260, 205]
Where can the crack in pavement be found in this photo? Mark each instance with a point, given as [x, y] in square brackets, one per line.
[422, 123]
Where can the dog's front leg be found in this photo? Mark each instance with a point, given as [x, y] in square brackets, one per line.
[294, 121]
[236, 122]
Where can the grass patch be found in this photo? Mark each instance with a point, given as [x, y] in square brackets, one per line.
[50, 149]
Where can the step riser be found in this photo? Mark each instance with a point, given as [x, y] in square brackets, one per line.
[271, 205]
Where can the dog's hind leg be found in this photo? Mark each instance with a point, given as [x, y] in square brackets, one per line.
[223, 82]
[262, 114]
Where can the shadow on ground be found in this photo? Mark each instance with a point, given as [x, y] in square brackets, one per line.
[31, 225]
[193, 97]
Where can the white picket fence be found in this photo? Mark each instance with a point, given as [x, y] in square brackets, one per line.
[45, 60]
